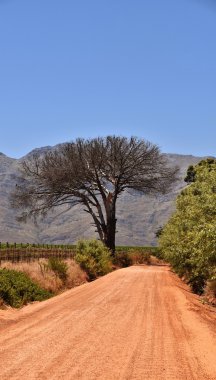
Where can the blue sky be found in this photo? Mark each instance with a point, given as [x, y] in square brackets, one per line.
[83, 68]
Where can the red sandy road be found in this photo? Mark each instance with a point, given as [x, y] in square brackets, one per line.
[135, 323]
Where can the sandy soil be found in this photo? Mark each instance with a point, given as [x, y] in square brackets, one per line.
[136, 323]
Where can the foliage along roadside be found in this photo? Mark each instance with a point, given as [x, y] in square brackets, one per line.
[17, 289]
[188, 240]
[21, 283]
[93, 257]
[97, 260]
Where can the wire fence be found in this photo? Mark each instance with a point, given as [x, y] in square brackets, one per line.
[25, 252]
[30, 253]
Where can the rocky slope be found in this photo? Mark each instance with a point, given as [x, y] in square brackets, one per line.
[139, 216]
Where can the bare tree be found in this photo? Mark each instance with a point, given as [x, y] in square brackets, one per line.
[93, 173]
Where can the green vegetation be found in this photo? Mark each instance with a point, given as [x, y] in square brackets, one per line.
[25, 275]
[17, 289]
[140, 256]
[130, 256]
[94, 258]
[126, 248]
[188, 240]
[59, 267]
[122, 259]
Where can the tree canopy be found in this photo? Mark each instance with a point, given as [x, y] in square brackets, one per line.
[92, 173]
[188, 240]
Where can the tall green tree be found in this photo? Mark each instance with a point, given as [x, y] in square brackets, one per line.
[188, 240]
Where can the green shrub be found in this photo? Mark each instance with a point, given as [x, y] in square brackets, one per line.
[197, 283]
[188, 240]
[156, 252]
[17, 289]
[140, 257]
[93, 257]
[59, 267]
[122, 259]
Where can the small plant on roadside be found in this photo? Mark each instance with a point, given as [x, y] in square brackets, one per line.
[17, 289]
[122, 259]
[140, 257]
[43, 275]
[59, 267]
[94, 258]
[44, 267]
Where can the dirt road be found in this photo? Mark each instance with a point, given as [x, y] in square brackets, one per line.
[136, 323]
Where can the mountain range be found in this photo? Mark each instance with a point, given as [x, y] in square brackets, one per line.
[138, 216]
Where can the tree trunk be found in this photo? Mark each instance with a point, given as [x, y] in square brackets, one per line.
[110, 222]
[106, 230]
[110, 234]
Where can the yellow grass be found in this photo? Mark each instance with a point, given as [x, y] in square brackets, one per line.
[39, 272]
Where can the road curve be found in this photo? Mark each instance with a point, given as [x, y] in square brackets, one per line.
[140, 323]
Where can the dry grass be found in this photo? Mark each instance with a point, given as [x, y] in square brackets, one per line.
[39, 272]
[210, 292]
[139, 257]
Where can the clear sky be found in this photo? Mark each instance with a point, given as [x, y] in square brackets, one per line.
[83, 68]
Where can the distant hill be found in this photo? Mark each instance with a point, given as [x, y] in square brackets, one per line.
[138, 216]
